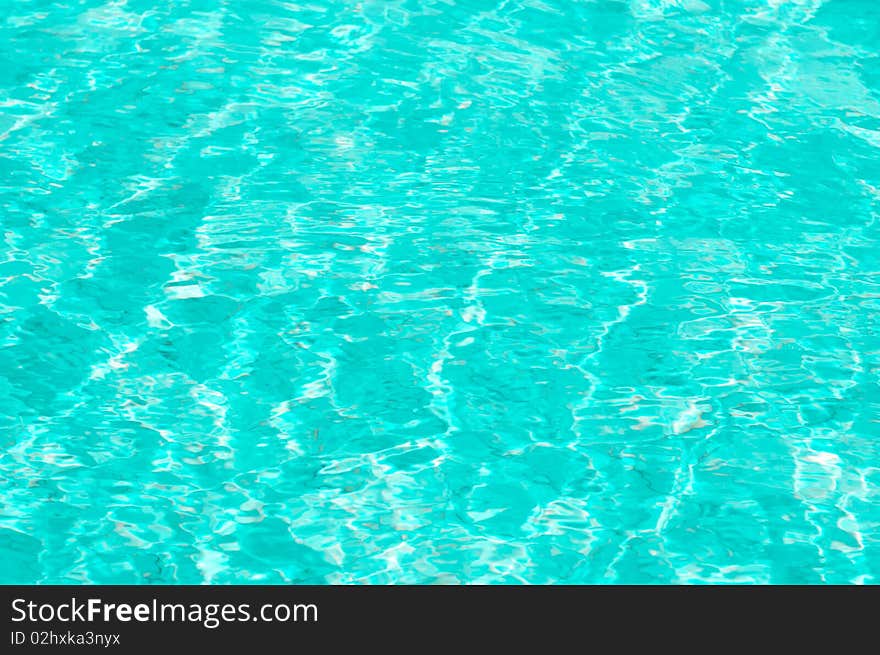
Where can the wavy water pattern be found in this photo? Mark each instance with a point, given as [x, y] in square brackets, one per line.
[497, 291]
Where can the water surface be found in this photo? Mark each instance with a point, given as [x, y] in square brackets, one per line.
[430, 291]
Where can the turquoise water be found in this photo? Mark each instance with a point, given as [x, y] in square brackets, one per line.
[433, 292]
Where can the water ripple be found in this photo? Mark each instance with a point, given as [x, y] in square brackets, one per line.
[393, 292]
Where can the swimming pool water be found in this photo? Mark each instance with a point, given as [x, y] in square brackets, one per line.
[440, 292]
